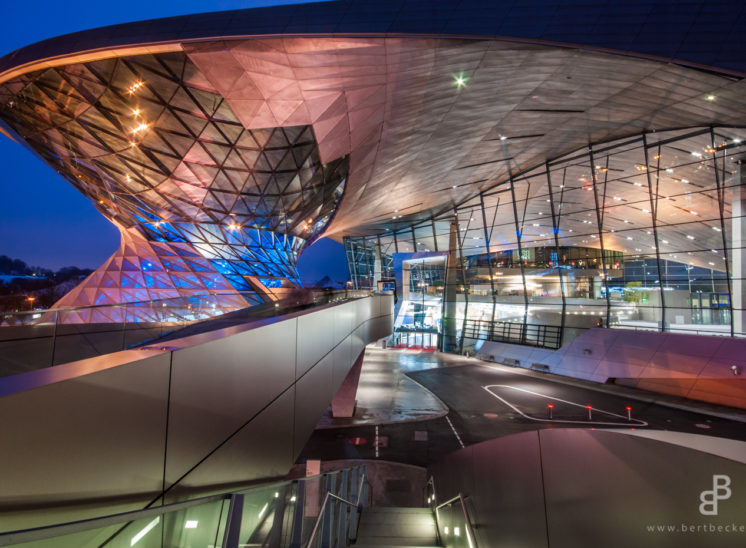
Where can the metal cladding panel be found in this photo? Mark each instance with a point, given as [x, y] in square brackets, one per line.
[343, 320]
[509, 507]
[358, 340]
[315, 338]
[343, 360]
[683, 30]
[313, 392]
[233, 417]
[582, 487]
[85, 439]
[604, 488]
[263, 448]
[364, 309]
[220, 385]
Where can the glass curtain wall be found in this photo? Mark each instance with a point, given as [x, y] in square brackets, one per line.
[644, 233]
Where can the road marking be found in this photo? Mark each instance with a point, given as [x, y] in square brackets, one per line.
[635, 422]
[461, 443]
[376, 442]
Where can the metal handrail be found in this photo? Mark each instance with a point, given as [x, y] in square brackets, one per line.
[470, 537]
[51, 531]
[8, 538]
[329, 494]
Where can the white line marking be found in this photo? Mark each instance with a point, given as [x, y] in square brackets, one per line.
[376, 442]
[461, 443]
[636, 422]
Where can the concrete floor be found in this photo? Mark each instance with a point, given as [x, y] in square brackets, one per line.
[459, 401]
[386, 395]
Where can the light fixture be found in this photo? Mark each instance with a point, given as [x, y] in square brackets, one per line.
[710, 98]
[191, 524]
[144, 531]
[134, 87]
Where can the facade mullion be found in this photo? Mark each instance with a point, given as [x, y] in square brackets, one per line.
[435, 236]
[519, 235]
[489, 256]
[720, 185]
[653, 196]
[599, 225]
[459, 241]
[555, 229]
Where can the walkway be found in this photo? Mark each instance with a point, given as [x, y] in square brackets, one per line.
[385, 394]
[486, 401]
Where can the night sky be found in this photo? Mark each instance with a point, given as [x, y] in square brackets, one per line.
[44, 221]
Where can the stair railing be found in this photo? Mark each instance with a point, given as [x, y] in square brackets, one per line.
[351, 532]
[431, 500]
[266, 514]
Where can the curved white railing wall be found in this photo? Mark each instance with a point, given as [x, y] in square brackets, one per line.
[117, 432]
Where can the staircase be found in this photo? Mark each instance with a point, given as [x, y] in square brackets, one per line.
[397, 527]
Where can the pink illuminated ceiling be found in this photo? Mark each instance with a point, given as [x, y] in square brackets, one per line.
[419, 140]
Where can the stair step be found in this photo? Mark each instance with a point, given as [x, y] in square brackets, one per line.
[394, 543]
[397, 527]
[399, 510]
[375, 545]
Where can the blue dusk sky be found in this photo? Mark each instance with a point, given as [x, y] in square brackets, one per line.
[44, 221]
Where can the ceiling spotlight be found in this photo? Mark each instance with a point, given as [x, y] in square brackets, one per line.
[710, 98]
[460, 80]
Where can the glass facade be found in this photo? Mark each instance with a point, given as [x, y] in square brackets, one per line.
[161, 152]
[641, 233]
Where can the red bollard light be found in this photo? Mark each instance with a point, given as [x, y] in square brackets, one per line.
[590, 412]
[550, 407]
[629, 413]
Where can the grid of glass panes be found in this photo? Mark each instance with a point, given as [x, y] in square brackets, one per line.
[149, 142]
[642, 233]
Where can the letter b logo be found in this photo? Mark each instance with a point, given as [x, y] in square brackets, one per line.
[720, 491]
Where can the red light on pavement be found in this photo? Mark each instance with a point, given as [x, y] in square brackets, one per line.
[628, 408]
[550, 406]
[589, 407]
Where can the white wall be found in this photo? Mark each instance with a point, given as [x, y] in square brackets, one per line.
[692, 366]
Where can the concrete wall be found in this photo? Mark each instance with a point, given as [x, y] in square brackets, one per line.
[691, 366]
[208, 412]
[571, 487]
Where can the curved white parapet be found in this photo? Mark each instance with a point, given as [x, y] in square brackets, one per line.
[734, 450]
[584, 487]
[210, 411]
